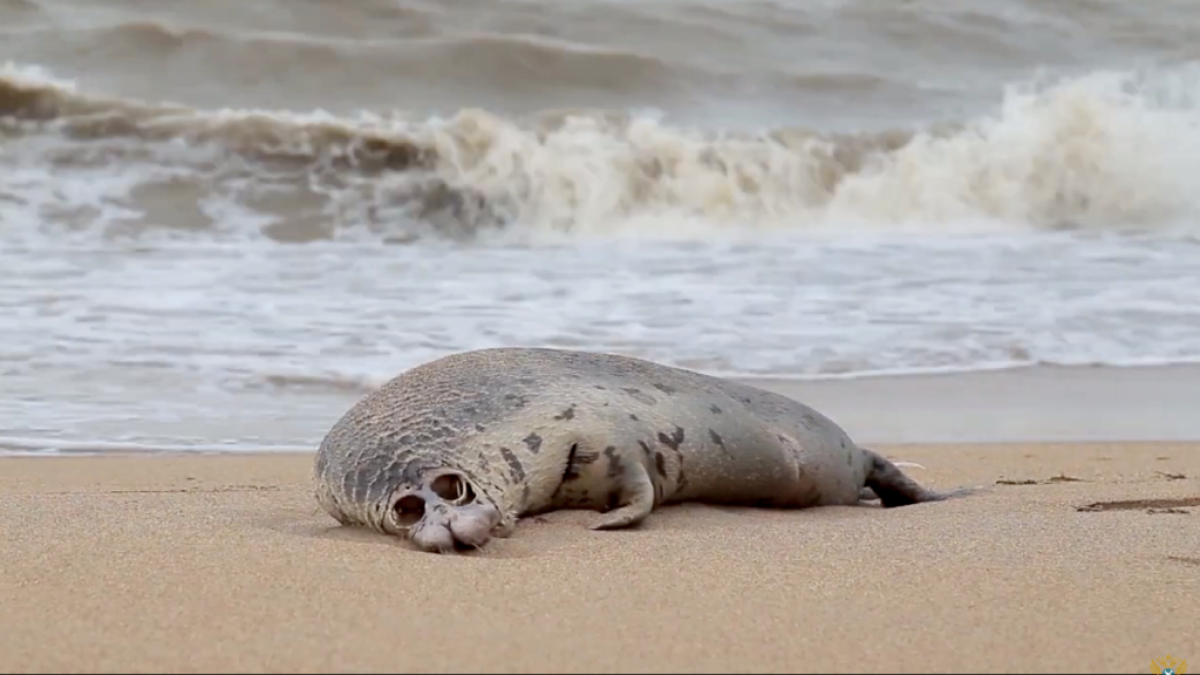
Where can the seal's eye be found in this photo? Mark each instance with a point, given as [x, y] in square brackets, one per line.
[409, 510]
[453, 488]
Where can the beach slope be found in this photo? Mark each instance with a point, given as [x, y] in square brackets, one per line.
[192, 563]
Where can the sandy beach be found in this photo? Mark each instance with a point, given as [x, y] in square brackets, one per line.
[194, 563]
[963, 231]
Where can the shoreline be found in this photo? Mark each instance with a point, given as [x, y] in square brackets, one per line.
[1070, 555]
[1080, 404]
[1022, 405]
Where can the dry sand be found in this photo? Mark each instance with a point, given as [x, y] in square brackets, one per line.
[191, 563]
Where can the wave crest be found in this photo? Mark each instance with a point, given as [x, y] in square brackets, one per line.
[1103, 151]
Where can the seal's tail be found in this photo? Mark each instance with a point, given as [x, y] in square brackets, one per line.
[893, 488]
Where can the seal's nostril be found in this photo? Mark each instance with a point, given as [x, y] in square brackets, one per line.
[409, 510]
[453, 488]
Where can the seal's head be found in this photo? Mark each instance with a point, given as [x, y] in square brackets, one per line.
[441, 511]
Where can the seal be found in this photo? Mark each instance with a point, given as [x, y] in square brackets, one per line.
[455, 451]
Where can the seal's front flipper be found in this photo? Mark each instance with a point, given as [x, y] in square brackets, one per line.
[893, 488]
[634, 499]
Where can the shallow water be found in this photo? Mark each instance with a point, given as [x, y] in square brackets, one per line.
[237, 213]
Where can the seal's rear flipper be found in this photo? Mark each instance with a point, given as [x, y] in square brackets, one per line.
[891, 487]
[632, 503]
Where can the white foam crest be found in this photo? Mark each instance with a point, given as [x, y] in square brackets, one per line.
[1101, 151]
[1107, 150]
[32, 75]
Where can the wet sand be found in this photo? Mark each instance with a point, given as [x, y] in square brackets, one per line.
[191, 563]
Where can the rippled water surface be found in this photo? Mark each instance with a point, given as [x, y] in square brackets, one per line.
[221, 221]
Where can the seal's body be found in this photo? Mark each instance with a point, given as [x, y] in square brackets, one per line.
[453, 452]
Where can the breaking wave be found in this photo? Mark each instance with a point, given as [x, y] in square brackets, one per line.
[1104, 151]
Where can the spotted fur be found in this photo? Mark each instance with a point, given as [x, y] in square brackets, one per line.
[537, 430]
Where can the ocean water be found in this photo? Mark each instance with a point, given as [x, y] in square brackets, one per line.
[220, 222]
